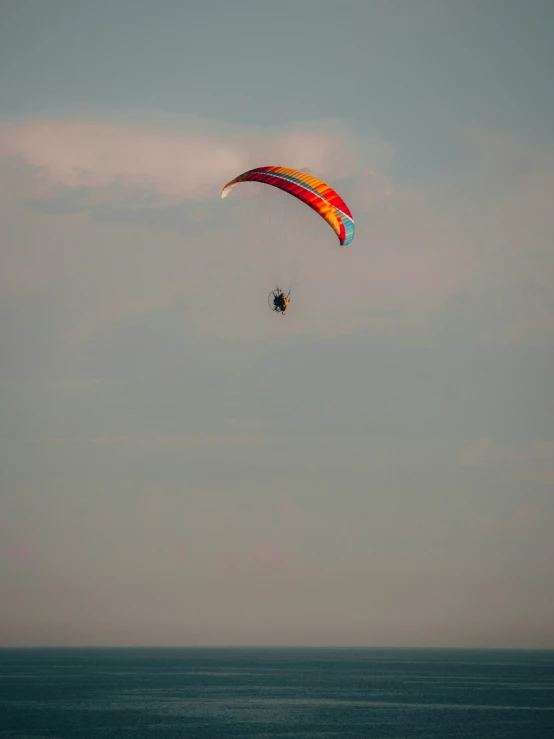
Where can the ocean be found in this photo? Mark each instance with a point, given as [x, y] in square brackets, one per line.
[263, 693]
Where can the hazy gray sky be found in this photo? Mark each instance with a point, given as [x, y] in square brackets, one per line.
[180, 466]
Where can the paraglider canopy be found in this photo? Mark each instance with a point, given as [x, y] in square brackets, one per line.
[315, 193]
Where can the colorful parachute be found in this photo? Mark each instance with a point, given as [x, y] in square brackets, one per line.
[319, 196]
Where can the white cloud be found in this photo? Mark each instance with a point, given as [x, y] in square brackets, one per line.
[485, 234]
[183, 163]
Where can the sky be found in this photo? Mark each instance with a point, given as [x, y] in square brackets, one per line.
[179, 465]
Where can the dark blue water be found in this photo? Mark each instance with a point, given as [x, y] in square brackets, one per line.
[292, 693]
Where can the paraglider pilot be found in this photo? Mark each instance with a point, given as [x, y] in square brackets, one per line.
[281, 301]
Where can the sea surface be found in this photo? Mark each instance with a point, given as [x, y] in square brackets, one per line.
[263, 693]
